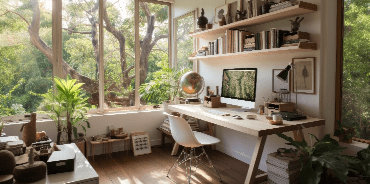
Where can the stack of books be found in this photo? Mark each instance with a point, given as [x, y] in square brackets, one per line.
[4, 141]
[282, 169]
[204, 51]
[232, 42]
[293, 39]
[280, 6]
[270, 39]
[16, 147]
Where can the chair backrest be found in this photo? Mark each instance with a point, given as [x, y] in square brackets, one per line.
[182, 132]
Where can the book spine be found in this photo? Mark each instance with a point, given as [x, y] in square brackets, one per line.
[267, 40]
[226, 43]
[216, 47]
[263, 41]
[278, 38]
[209, 48]
[213, 48]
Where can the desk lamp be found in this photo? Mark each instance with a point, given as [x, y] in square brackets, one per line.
[284, 76]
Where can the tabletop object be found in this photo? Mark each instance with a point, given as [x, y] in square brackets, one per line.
[6, 179]
[83, 172]
[30, 173]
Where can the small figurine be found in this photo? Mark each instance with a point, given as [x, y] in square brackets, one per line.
[223, 21]
[211, 93]
[30, 157]
[242, 14]
[296, 24]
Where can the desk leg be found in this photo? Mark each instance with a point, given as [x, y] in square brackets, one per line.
[175, 149]
[253, 167]
[163, 139]
[211, 133]
[93, 151]
[298, 135]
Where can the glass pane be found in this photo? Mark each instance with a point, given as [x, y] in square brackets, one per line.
[356, 68]
[185, 43]
[80, 36]
[119, 54]
[154, 66]
[25, 66]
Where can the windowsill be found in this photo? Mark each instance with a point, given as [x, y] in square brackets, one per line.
[356, 144]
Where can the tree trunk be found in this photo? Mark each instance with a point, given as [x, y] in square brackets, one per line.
[69, 128]
[90, 85]
[59, 132]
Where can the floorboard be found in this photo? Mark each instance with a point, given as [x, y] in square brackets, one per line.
[152, 168]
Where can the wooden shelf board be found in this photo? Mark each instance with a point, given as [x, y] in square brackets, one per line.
[303, 47]
[300, 9]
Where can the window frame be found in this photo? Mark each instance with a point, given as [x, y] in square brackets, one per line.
[339, 63]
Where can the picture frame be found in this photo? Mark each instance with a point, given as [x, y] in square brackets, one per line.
[277, 84]
[304, 75]
[220, 11]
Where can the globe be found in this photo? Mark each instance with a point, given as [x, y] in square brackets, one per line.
[192, 83]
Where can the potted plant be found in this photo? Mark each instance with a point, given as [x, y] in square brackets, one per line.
[318, 159]
[67, 107]
[74, 105]
[2, 124]
[53, 104]
[345, 134]
[359, 165]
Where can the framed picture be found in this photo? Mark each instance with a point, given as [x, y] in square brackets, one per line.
[277, 84]
[304, 75]
[233, 7]
[220, 12]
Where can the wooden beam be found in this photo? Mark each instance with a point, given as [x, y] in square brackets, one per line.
[101, 57]
[339, 62]
[57, 59]
[137, 54]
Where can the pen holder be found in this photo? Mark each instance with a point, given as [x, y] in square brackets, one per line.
[213, 102]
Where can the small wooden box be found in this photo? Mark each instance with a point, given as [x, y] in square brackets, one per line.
[281, 107]
[213, 102]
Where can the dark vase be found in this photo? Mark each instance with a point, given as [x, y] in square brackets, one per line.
[202, 20]
[266, 8]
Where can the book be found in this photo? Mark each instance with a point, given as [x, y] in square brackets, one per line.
[242, 36]
[267, 39]
[273, 38]
[280, 37]
[295, 41]
[236, 41]
[210, 48]
[263, 40]
[295, 36]
[215, 47]
[225, 40]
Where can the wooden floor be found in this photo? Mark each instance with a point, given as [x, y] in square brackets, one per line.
[153, 168]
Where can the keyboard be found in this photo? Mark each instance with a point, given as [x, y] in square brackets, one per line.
[219, 112]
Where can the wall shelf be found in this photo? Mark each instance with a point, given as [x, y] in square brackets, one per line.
[302, 47]
[300, 9]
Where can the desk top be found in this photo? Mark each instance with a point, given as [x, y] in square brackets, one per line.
[258, 127]
[83, 173]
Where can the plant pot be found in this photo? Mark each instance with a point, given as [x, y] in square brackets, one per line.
[341, 139]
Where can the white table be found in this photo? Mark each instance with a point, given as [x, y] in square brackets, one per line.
[260, 128]
[83, 173]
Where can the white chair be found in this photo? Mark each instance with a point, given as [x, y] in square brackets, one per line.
[183, 135]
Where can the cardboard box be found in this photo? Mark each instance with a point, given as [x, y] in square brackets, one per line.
[61, 161]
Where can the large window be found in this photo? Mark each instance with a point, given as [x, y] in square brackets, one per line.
[353, 66]
[27, 56]
[184, 45]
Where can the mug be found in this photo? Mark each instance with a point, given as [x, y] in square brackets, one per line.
[277, 117]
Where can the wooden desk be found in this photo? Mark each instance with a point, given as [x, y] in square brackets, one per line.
[259, 128]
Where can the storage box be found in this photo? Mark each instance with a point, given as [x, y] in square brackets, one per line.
[61, 161]
[213, 102]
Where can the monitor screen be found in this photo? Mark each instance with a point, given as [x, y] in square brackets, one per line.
[240, 83]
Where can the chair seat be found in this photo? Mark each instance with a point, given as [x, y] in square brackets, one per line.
[205, 139]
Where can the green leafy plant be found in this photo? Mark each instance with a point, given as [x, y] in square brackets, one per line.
[315, 160]
[2, 124]
[359, 165]
[344, 133]
[73, 104]
[163, 87]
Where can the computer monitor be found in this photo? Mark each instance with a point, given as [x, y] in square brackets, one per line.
[239, 83]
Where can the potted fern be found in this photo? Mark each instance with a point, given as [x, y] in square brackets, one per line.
[345, 134]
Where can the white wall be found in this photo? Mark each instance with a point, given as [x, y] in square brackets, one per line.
[241, 145]
[135, 121]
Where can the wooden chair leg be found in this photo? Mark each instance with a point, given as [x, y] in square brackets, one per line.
[211, 133]
[175, 149]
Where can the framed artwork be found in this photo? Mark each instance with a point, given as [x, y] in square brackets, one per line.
[233, 7]
[304, 75]
[277, 84]
[220, 12]
[140, 143]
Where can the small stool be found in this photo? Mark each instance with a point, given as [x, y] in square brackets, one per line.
[93, 143]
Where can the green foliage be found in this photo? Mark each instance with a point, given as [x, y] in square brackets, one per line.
[356, 67]
[315, 160]
[163, 86]
[2, 125]
[4, 100]
[73, 103]
[341, 131]
[359, 166]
